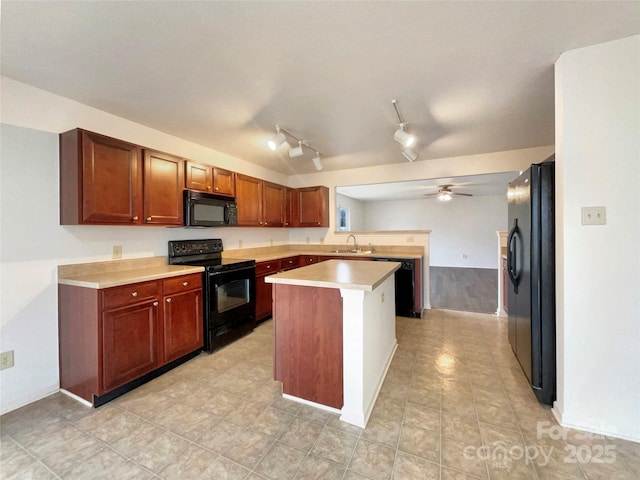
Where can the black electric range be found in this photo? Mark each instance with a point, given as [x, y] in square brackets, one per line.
[229, 289]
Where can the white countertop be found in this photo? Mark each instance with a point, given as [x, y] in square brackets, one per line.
[346, 274]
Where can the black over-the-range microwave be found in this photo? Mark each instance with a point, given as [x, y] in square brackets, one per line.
[207, 210]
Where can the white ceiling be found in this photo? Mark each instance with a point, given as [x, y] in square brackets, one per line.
[476, 185]
[470, 77]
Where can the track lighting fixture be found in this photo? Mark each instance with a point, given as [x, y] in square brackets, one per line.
[409, 155]
[403, 138]
[297, 151]
[278, 140]
[317, 162]
[294, 152]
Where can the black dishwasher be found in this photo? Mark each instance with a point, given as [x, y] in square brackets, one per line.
[404, 286]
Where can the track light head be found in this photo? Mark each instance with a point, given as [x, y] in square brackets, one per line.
[276, 141]
[317, 162]
[410, 155]
[297, 151]
[403, 138]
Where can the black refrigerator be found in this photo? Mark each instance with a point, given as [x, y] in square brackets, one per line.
[531, 270]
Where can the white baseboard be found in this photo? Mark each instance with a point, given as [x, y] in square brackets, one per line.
[31, 397]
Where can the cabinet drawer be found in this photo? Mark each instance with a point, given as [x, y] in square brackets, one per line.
[129, 294]
[267, 267]
[289, 263]
[308, 259]
[181, 284]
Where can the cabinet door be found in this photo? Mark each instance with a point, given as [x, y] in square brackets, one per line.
[197, 177]
[111, 180]
[263, 298]
[163, 185]
[129, 343]
[249, 200]
[224, 182]
[182, 324]
[273, 204]
[313, 207]
[290, 207]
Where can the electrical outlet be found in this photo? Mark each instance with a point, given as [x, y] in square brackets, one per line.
[6, 359]
[117, 252]
[594, 216]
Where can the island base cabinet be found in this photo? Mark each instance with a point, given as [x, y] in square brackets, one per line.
[129, 344]
[308, 343]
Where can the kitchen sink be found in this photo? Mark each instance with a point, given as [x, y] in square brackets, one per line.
[352, 251]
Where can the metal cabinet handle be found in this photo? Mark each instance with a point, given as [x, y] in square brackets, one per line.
[134, 294]
[135, 218]
[208, 187]
[155, 304]
[217, 188]
[184, 284]
[168, 300]
[148, 219]
[268, 266]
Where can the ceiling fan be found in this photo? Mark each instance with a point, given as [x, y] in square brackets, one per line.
[445, 193]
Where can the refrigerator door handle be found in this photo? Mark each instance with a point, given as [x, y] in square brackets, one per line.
[511, 255]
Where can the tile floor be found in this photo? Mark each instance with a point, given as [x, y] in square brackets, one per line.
[455, 405]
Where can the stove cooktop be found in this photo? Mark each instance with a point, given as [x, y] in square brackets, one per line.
[205, 253]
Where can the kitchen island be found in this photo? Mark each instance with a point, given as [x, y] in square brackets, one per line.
[334, 334]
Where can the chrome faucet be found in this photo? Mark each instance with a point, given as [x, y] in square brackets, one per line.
[355, 242]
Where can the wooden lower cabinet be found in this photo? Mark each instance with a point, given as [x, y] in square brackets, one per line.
[129, 343]
[263, 289]
[110, 338]
[182, 324]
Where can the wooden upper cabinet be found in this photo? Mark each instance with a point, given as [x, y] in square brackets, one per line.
[100, 180]
[163, 181]
[249, 200]
[273, 205]
[224, 182]
[198, 177]
[290, 207]
[313, 207]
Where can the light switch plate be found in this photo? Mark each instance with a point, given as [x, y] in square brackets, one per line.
[594, 216]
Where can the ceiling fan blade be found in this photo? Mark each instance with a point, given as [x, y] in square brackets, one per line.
[462, 194]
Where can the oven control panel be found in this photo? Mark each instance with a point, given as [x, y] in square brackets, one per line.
[182, 248]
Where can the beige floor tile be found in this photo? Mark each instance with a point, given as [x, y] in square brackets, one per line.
[372, 460]
[464, 457]
[281, 462]
[382, 430]
[220, 436]
[162, 450]
[224, 469]
[271, 421]
[450, 474]
[188, 465]
[420, 442]
[245, 412]
[13, 458]
[107, 465]
[420, 416]
[318, 468]
[409, 467]
[335, 445]
[301, 433]
[248, 447]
